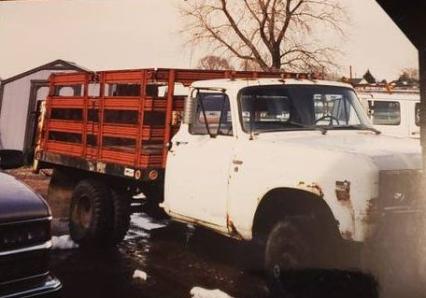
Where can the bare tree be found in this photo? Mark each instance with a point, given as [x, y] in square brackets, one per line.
[249, 65]
[214, 62]
[273, 34]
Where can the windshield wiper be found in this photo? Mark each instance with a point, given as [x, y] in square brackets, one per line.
[297, 124]
[309, 127]
[358, 127]
[370, 128]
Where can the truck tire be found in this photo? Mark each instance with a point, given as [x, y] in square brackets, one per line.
[121, 216]
[287, 248]
[91, 213]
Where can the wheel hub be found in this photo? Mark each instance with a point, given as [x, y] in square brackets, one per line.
[84, 212]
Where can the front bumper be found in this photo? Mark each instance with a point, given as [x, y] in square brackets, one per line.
[24, 272]
[44, 285]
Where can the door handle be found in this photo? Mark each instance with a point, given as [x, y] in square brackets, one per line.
[178, 143]
[237, 162]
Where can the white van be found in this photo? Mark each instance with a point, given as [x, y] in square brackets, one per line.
[396, 113]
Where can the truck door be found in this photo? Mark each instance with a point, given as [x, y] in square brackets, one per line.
[198, 163]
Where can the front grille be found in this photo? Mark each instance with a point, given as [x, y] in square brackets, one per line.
[23, 234]
[401, 188]
[23, 265]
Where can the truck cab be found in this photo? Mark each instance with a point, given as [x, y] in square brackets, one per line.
[251, 154]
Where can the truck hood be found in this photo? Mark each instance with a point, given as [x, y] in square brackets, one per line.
[18, 202]
[387, 153]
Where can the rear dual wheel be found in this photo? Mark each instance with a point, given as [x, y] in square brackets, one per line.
[120, 216]
[99, 216]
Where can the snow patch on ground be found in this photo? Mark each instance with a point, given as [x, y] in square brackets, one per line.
[146, 223]
[139, 274]
[133, 234]
[63, 242]
[139, 196]
[198, 292]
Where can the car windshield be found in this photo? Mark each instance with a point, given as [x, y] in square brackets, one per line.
[291, 107]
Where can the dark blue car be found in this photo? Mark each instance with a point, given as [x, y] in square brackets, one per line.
[25, 237]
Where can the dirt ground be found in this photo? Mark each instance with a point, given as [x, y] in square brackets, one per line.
[38, 182]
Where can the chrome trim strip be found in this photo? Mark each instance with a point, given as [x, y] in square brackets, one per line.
[45, 274]
[46, 245]
[50, 285]
[48, 218]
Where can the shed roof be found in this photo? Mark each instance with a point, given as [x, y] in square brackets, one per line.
[57, 65]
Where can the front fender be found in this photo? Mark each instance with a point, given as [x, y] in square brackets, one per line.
[242, 219]
[302, 168]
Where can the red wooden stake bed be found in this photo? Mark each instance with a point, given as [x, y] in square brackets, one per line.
[118, 122]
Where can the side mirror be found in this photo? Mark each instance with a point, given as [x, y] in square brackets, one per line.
[11, 159]
[189, 110]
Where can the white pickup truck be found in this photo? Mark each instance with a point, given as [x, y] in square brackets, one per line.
[294, 164]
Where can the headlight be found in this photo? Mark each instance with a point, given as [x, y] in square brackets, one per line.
[25, 234]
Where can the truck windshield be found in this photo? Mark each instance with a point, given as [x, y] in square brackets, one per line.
[291, 107]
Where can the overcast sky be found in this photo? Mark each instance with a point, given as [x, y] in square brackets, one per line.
[114, 34]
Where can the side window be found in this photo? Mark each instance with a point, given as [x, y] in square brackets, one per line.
[212, 115]
[417, 113]
[385, 112]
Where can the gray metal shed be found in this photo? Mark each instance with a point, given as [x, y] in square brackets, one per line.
[19, 103]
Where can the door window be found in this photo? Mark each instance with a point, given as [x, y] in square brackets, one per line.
[385, 112]
[212, 115]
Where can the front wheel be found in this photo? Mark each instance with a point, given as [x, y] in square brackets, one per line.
[287, 248]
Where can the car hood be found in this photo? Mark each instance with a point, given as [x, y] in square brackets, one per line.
[386, 152]
[18, 202]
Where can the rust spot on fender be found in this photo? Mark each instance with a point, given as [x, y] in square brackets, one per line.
[347, 235]
[232, 229]
[343, 190]
[313, 188]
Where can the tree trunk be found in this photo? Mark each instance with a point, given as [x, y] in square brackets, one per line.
[276, 58]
